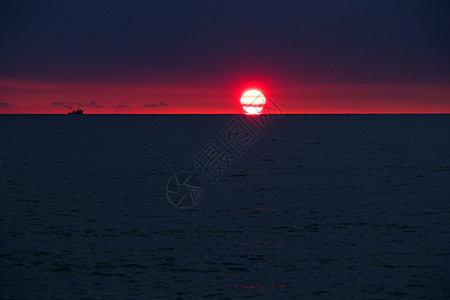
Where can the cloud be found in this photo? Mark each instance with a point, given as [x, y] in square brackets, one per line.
[92, 104]
[75, 104]
[4, 104]
[152, 105]
[64, 104]
[121, 106]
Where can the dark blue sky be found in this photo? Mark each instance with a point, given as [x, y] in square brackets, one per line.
[199, 56]
[364, 41]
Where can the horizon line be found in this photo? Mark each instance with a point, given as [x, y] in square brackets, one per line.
[167, 114]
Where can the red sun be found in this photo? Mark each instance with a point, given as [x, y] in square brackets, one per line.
[253, 102]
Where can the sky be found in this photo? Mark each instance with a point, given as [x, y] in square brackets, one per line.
[165, 57]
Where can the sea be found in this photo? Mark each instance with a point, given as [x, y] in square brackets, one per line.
[224, 207]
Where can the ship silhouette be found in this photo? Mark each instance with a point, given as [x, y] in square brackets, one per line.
[76, 112]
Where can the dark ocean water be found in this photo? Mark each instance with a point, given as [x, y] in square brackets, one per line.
[319, 206]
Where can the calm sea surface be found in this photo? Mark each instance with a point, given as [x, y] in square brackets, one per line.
[311, 206]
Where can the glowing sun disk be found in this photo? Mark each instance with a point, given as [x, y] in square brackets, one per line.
[253, 102]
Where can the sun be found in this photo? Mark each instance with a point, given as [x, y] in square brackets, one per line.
[253, 102]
